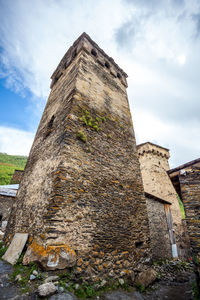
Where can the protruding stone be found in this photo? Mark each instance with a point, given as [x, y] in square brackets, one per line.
[32, 277]
[46, 289]
[16, 247]
[18, 277]
[35, 273]
[147, 277]
[51, 257]
[51, 278]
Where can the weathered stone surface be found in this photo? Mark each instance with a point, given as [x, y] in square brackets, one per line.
[17, 177]
[6, 203]
[118, 295]
[159, 232]
[190, 191]
[15, 248]
[1, 235]
[46, 289]
[65, 296]
[51, 257]
[82, 185]
[35, 273]
[147, 277]
[32, 277]
[3, 225]
[51, 278]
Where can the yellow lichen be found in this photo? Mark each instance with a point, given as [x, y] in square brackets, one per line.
[40, 250]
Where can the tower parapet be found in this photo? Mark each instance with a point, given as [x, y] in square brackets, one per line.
[84, 42]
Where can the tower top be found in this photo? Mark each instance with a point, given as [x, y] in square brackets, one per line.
[154, 149]
[84, 42]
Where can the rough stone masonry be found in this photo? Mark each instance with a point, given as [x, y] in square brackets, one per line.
[81, 199]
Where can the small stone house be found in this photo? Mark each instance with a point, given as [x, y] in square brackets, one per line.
[186, 181]
[7, 197]
[159, 227]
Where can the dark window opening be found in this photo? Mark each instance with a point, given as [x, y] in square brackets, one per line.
[74, 54]
[138, 244]
[107, 65]
[1, 217]
[118, 75]
[94, 52]
[50, 126]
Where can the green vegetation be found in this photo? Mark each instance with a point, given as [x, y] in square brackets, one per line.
[89, 121]
[8, 164]
[81, 136]
[195, 289]
[181, 207]
[24, 272]
[140, 287]
[84, 290]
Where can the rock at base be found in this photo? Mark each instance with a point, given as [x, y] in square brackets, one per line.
[51, 279]
[65, 296]
[120, 295]
[15, 249]
[51, 257]
[46, 289]
[147, 277]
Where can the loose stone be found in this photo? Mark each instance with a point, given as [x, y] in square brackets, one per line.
[46, 289]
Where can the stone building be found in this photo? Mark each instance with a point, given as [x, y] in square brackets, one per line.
[158, 210]
[81, 199]
[17, 177]
[154, 166]
[186, 180]
[7, 197]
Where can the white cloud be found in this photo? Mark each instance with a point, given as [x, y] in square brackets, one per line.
[155, 43]
[15, 141]
[35, 36]
[150, 128]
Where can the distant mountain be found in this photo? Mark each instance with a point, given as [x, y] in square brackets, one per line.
[8, 164]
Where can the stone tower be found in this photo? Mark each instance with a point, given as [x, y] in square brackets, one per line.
[81, 199]
[154, 166]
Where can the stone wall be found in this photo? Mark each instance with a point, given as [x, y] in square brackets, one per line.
[6, 203]
[159, 232]
[154, 166]
[17, 177]
[190, 191]
[81, 198]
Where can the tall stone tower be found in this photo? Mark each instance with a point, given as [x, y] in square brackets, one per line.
[81, 199]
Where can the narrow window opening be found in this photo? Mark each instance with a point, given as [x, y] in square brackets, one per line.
[138, 244]
[1, 217]
[50, 126]
[107, 65]
[118, 75]
[94, 52]
[74, 54]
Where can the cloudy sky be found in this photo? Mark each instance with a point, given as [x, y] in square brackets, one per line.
[157, 43]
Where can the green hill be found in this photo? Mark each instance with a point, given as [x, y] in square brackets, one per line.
[8, 164]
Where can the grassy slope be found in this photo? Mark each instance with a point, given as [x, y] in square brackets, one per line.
[8, 163]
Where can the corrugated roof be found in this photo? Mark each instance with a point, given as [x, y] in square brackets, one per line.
[9, 190]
